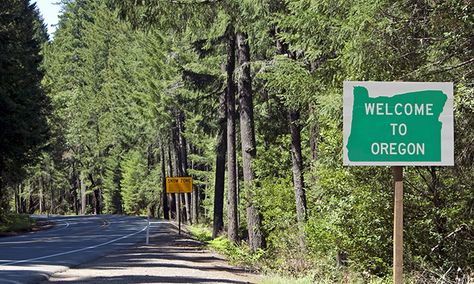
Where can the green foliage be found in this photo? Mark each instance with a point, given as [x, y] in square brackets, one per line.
[23, 104]
[327, 277]
[112, 186]
[275, 199]
[289, 80]
[200, 232]
[351, 209]
[119, 89]
[239, 255]
[286, 280]
[133, 190]
[15, 223]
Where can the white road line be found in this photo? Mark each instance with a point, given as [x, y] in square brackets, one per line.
[72, 251]
[58, 229]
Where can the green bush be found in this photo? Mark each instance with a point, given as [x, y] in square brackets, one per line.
[16, 223]
[200, 232]
[237, 254]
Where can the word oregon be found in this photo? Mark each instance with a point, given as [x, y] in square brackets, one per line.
[398, 109]
[401, 149]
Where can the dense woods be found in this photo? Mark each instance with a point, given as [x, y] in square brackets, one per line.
[245, 97]
[23, 102]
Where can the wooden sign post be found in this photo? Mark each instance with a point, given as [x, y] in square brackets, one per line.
[179, 185]
[398, 124]
[179, 213]
[398, 225]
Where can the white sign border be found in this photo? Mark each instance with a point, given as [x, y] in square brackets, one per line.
[389, 89]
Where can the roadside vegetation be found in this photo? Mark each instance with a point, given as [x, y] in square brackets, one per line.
[13, 223]
[277, 267]
[245, 97]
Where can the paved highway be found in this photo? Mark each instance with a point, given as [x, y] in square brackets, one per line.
[32, 257]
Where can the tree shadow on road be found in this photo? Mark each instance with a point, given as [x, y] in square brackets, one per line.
[170, 258]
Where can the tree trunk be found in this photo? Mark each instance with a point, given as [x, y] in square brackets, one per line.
[151, 211]
[296, 157]
[75, 192]
[50, 185]
[97, 201]
[297, 161]
[187, 204]
[179, 143]
[62, 199]
[247, 134]
[22, 198]
[176, 165]
[3, 208]
[17, 199]
[41, 194]
[233, 225]
[172, 170]
[184, 161]
[31, 206]
[218, 221]
[194, 199]
[95, 194]
[341, 259]
[83, 195]
[195, 205]
[164, 195]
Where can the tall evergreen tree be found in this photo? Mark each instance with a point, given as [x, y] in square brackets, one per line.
[23, 104]
[247, 134]
[232, 197]
[124, 96]
[218, 218]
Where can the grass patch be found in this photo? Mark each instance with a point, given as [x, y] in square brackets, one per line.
[200, 232]
[278, 279]
[239, 255]
[12, 223]
[345, 277]
[321, 270]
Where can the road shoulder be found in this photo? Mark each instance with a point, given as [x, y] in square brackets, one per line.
[169, 258]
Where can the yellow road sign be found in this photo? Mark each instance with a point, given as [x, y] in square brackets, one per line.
[179, 184]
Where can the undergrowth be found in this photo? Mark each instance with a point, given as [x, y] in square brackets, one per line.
[236, 254]
[13, 222]
[289, 265]
[277, 265]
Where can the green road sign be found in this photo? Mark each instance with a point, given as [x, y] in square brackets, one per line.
[398, 123]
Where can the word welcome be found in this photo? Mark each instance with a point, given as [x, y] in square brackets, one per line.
[399, 109]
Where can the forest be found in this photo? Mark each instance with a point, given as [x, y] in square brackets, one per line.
[246, 98]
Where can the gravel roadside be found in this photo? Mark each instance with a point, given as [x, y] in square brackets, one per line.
[169, 258]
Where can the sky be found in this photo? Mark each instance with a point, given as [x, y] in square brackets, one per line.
[50, 12]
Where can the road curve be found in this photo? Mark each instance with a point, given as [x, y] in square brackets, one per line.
[33, 257]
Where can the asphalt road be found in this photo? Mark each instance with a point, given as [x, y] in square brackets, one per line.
[168, 258]
[33, 257]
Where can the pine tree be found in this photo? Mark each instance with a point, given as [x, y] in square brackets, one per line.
[232, 207]
[23, 104]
